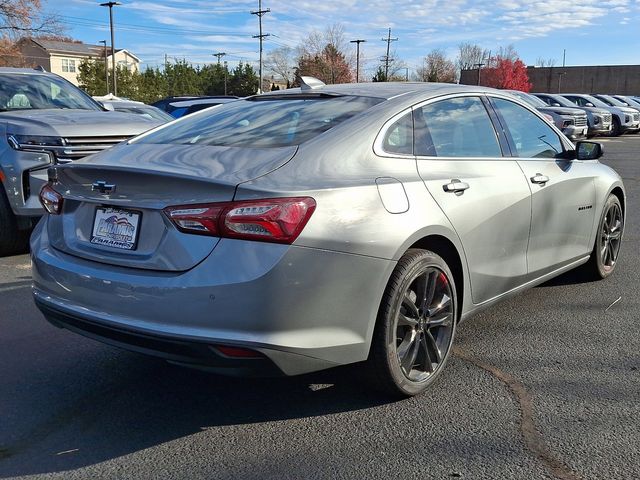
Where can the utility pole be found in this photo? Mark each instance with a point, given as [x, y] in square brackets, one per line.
[113, 50]
[225, 77]
[478, 66]
[106, 65]
[564, 56]
[386, 57]
[219, 55]
[260, 12]
[560, 74]
[357, 42]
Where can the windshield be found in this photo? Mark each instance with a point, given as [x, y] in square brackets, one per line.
[614, 102]
[32, 91]
[269, 121]
[146, 111]
[530, 99]
[596, 101]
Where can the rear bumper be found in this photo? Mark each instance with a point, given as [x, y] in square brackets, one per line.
[187, 352]
[304, 309]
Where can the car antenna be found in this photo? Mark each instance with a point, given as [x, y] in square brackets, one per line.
[310, 83]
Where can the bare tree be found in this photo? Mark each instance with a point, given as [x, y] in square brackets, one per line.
[436, 67]
[281, 62]
[470, 55]
[22, 18]
[508, 53]
[549, 62]
[326, 53]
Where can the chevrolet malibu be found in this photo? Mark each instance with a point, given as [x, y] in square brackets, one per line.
[326, 225]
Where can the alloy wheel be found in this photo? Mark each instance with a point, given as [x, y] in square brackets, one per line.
[610, 236]
[424, 324]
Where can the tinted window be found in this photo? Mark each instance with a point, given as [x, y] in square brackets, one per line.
[458, 127]
[399, 136]
[531, 135]
[263, 122]
[32, 91]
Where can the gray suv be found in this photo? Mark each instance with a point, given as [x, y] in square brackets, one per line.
[45, 120]
[599, 119]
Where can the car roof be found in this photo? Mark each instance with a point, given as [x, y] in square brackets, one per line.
[28, 71]
[385, 90]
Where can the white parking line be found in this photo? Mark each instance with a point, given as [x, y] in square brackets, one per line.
[15, 287]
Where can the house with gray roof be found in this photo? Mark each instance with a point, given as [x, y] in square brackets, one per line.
[63, 58]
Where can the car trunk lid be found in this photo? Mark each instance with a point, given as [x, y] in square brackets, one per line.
[113, 202]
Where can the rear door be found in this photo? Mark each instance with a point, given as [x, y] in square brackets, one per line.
[563, 191]
[483, 192]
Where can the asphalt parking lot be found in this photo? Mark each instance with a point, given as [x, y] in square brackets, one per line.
[544, 385]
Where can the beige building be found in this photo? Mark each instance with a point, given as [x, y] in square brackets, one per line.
[63, 58]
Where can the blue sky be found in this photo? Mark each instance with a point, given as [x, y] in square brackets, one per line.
[605, 32]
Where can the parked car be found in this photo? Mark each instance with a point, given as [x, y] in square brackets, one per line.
[571, 121]
[44, 121]
[300, 230]
[623, 119]
[164, 103]
[598, 119]
[629, 101]
[187, 107]
[138, 108]
[614, 102]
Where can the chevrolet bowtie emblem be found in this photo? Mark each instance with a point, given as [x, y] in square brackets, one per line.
[103, 187]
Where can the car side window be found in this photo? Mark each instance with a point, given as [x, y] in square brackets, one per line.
[532, 136]
[399, 136]
[577, 100]
[456, 127]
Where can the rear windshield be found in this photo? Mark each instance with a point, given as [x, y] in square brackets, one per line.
[262, 122]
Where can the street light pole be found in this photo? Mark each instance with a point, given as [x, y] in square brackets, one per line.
[106, 65]
[113, 50]
[357, 42]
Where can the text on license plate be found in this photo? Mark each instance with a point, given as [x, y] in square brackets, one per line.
[115, 228]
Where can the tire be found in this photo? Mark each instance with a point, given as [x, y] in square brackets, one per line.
[413, 338]
[12, 240]
[616, 130]
[606, 248]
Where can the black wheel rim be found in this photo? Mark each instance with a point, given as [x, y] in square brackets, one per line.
[610, 236]
[424, 324]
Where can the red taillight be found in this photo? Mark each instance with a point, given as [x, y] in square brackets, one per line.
[277, 220]
[237, 352]
[51, 200]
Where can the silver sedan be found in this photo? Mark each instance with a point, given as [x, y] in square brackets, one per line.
[321, 226]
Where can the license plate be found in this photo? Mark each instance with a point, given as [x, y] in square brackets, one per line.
[113, 227]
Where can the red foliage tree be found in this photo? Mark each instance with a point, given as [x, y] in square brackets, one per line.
[506, 74]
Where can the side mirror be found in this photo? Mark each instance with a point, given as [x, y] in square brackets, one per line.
[555, 104]
[589, 104]
[589, 150]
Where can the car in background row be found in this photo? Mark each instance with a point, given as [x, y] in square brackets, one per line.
[45, 121]
[614, 102]
[571, 121]
[598, 119]
[187, 107]
[319, 226]
[138, 108]
[165, 103]
[629, 101]
[623, 119]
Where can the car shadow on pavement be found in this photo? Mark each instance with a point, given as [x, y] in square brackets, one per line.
[133, 402]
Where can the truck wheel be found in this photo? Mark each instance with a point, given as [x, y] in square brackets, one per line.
[12, 240]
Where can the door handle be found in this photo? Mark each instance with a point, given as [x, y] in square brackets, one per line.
[456, 186]
[539, 179]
